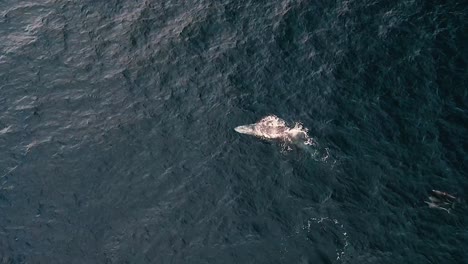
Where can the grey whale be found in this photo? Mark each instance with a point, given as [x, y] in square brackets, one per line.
[274, 128]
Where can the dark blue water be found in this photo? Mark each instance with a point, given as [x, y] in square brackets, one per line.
[117, 141]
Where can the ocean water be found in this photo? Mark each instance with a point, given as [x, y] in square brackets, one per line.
[117, 141]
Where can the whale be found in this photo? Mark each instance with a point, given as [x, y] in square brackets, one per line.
[274, 128]
[442, 200]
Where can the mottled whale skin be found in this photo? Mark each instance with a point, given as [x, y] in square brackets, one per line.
[273, 128]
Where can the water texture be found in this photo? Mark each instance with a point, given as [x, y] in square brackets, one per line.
[117, 141]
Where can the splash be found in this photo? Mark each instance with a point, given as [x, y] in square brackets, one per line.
[321, 232]
[340, 251]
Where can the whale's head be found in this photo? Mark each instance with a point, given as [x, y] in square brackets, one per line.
[247, 129]
[264, 131]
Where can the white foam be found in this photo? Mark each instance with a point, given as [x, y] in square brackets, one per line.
[5, 130]
[340, 252]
